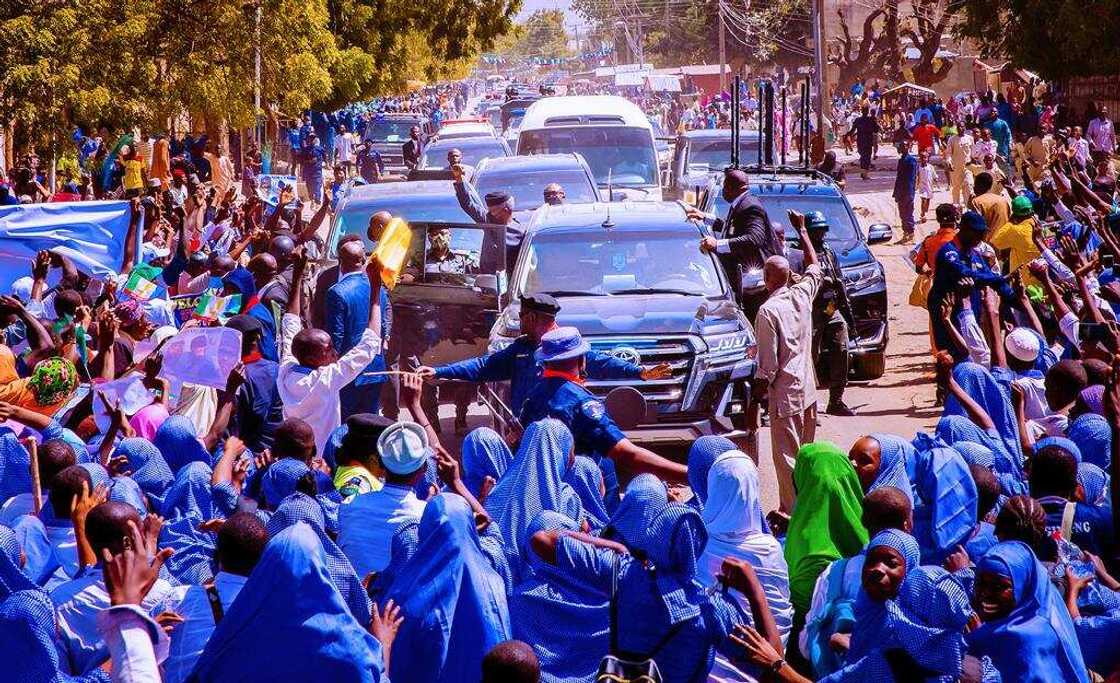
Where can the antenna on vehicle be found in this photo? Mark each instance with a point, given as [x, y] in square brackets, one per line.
[785, 110]
[608, 223]
[805, 122]
[736, 121]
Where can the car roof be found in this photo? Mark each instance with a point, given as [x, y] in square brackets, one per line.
[716, 134]
[620, 109]
[813, 184]
[463, 143]
[422, 189]
[625, 216]
[530, 162]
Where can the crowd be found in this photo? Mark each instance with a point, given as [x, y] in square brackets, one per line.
[172, 509]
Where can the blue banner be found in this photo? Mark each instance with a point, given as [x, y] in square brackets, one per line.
[91, 234]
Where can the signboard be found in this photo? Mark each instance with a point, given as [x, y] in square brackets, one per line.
[202, 355]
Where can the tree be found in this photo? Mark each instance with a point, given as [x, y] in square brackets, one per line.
[1056, 38]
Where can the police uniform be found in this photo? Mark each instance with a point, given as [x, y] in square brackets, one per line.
[516, 363]
[832, 318]
[562, 397]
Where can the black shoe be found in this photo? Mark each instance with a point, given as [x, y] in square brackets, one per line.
[838, 409]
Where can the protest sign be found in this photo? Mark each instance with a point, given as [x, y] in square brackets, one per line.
[91, 234]
[217, 308]
[268, 186]
[202, 355]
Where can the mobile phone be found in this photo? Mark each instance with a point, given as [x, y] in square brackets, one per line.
[1092, 332]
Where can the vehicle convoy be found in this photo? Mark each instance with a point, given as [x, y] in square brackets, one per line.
[526, 177]
[700, 154]
[415, 202]
[474, 150]
[388, 133]
[631, 277]
[785, 188]
[612, 134]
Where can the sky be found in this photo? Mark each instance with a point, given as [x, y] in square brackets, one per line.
[530, 6]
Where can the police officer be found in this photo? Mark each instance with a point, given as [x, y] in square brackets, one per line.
[560, 394]
[832, 316]
[517, 365]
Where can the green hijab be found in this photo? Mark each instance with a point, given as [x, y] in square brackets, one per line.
[825, 524]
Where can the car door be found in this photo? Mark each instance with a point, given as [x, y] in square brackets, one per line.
[444, 308]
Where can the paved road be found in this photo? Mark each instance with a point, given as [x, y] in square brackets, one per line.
[901, 401]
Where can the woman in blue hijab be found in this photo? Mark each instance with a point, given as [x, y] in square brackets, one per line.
[27, 623]
[1093, 437]
[979, 384]
[701, 455]
[300, 507]
[945, 507]
[177, 440]
[646, 496]
[1094, 484]
[881, 460]
[485, 454]
[1025, 629]
[289, 623]
[148, 468]
[405, 542]
[452, 600]
[586, 479]
[564, 619]
[15, 466]
[534, 482]
[189, 495]
[187, 503]
[280, 479]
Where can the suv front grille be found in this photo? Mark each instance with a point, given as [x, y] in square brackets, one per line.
[664, 395]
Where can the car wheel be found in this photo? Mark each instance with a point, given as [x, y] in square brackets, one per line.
[869, 366]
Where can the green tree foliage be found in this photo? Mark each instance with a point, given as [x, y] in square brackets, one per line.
[1056, 38]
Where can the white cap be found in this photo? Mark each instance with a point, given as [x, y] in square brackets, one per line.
[1022, 344]
[403, 447]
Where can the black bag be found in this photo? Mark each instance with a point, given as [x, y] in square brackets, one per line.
[627, 667]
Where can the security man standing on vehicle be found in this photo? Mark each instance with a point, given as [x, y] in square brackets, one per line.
[832, 316]
[516, 363]
[498, 211]
[560, 394]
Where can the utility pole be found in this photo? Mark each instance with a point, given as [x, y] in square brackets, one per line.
[818, 61]
[722, 50]
[257, 77]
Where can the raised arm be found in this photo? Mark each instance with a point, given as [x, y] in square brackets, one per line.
[974, 410]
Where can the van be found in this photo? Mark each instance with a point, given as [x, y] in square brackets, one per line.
[611, 133]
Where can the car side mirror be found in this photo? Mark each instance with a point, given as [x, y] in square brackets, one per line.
[626, 406]
[487, 282]
[878, 233]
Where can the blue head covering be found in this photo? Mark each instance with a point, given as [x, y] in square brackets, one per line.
[1036, 641]
[189, 495]
[566, 620]
[149, 469]
[452, 601]
[645, 498]
[405, 542]
[124, 490]
[1093, 437]
[701, 455]
[280, 479]
[896, 453]
[1061, 442]
[242, 280]
[903, 543]
[1095, 483]
[985, 390]
[15, 466]
[12, 578]
[37, 548]
[28, 646]
[289, 623]
[177, 440]
[485, 453]
[193, 560]
[534, 481]
[98, 475]
[300, 507]
[1007, 466]
[945, 511]
[676, 539]
[585, 478]
[975, 454]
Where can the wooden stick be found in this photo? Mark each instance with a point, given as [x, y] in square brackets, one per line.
[36, 485]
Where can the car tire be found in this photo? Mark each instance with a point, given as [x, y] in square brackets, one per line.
[869, 366]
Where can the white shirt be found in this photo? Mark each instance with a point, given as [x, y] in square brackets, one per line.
[960, 149]
[981, 149]
[80, 601]
[312, 395]
[1080, 150]
[189, 639]
[128, 633]
[1034, 397]
[1101, 135]
[785, 345]
[344, 147]
[367, 524]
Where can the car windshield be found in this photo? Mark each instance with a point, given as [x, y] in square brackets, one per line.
[716, 154]
[622, 156]
[527, 188]
[626, 263]
[435, 209]
[389, 131]
[843, 233]
[474, 150]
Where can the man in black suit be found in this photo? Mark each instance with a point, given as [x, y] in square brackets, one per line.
[413, 149]
[748, 239]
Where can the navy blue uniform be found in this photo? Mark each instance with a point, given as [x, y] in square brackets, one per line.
[517, 365]
[953, 265]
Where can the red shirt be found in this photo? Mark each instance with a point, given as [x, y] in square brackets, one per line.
[925, 134]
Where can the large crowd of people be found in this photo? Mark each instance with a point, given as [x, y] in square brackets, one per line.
[166, 518]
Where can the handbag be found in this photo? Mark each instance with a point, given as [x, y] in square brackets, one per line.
[620, 667]
[919, 293]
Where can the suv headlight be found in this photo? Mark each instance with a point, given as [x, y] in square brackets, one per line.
[725, 348]
[864, 277]
[506, 329]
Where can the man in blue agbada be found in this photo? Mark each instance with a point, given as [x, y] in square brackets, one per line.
[560, 394]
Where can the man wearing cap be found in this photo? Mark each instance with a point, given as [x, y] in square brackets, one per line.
[368, 521]
[1016, 237]
[357, 471]
[518, 365]
[832, 316]
[1018, 367]
[259, 409]
[498, 211]
[560, 394]
[957, 261]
